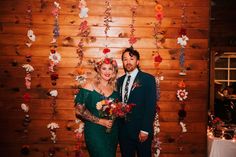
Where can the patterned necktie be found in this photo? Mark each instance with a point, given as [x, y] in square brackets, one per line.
[126, 89]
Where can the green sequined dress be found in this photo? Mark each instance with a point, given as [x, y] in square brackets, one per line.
[99, 143]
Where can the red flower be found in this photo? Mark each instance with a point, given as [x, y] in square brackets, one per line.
[107, 61]
[159, 16]
[106, 50]
[54, 76]
[132, 40]
[53, 51]
[158, 58]
[183, 31]
[26, 97]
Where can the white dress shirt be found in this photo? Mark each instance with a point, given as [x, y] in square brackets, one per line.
[133, 75]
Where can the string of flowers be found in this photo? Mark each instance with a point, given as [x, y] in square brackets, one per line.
[107, 20]
[25, 148]
[132, 38]
[182, 95]
[54, 59]
[182, 41]
[79, 73]
[84, 30]
[157, 60]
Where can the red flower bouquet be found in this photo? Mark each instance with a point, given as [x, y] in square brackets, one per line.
[111, 109]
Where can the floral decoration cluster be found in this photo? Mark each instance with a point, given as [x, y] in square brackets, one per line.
[159, 40]
[107, 20]
[182, 95]
[182, 41]
[29, 69]
[132, 38]
[112, 108]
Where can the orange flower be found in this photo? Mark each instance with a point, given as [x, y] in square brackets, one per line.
[158, 7]
[79, 71]
[181, 84]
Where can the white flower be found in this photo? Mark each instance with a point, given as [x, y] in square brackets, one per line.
[52, 126]
[28, 68]
[24, 107]
[57, 5]
[182, 40]
[53, 93]
[80, 129]
[83, 12]
[81, 78]
[183, 126]
[182, 94]
[31, 36]
[55, 57]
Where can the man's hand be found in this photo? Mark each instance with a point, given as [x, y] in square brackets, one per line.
[142, 136]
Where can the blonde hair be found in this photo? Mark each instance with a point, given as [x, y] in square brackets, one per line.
[97, 67]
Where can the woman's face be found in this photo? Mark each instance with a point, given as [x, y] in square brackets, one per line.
[106, 71]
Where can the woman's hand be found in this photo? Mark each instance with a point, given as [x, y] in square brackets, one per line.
[105, 122]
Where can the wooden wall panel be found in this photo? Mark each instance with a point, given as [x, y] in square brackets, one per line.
[13, 30]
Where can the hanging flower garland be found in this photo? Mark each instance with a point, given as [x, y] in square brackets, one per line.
[132, 39]
[79, 135]
[181, 95]
[84, 30]
[54, 60]
[107, 20]
[182, 41]
[157, 60]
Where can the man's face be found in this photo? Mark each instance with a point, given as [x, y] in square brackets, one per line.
[130, 62]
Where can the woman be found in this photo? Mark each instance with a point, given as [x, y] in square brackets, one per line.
[99, 143]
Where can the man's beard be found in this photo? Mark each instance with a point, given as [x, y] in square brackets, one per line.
[129, 67]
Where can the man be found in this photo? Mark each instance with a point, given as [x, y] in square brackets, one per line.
[139, 88]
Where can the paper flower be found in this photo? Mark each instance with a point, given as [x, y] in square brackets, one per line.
[159, 16]
[106, 50]
[52, 126]
[183, 126]
[132, 40]
[57, 5]
[81, 79]
[83, 12]
[31, 35]
[53, 93]
[28, 67]
[80, 129]
[158, 7]
[26, 97]
[181, 84]
[24, 107]
[182, 94]
[182, 40]
[55, 57]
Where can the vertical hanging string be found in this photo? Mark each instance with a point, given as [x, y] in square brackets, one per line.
[107, 20]
[132, 38]
[54, 59]
[182, 41]
[159, 40]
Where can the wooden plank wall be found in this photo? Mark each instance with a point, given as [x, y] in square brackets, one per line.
[13, 29]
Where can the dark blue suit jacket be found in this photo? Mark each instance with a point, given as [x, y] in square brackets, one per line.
[143, 95]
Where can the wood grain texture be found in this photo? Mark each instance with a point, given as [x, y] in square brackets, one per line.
[13, 30]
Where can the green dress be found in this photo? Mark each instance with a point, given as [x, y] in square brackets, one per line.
[99, 143]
